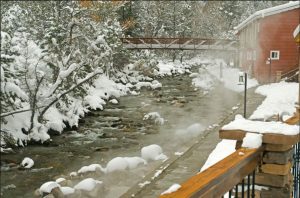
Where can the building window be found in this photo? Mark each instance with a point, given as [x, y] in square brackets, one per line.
[249, 55]
[254, 55]
[274, 55]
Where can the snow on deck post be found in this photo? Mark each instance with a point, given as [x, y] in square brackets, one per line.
[274, 171]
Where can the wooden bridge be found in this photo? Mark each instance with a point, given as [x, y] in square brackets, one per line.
[180, 43]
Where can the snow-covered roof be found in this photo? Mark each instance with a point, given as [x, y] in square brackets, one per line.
[267, 12]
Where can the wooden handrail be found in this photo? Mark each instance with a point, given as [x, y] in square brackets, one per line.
[290, 73]
[221, 177]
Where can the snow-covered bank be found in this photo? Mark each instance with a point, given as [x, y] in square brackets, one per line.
[168, 68]
[102, 90]
[217, 71]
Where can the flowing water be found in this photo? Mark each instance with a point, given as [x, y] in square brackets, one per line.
[119, 130]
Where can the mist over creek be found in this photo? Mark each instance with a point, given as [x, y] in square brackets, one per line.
[119, 130]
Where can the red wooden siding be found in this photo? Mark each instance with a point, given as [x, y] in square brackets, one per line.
[275, 33]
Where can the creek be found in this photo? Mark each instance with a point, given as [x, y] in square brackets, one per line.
[119, 130]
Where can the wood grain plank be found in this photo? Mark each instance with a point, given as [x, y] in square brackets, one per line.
[270, 138]
[221, 177]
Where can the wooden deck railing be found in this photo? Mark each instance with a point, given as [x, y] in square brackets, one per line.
[290, 75]
[221, 177]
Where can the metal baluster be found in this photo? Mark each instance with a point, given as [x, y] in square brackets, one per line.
[230, 192]
[248, 186]
[253, 184]
[236, 191]
[243, 187]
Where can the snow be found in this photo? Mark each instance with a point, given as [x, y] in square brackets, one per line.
[167, 68]
[59, 180]
[296, 31]
[280, 99]
[241, 123]
[73, 174]
[55, 119]
[267, 12]
[178, 153]
[171, 189]
[144, 184]
[114, 101]
[48, 186]
[252, 140]
[12, 89]
[155, 116]
[90, 168]
[210, 74]
[152, 152]
[87, 184]
[67, 190]
[156, 174]
[222, 150]
[117, 164]
[153, 85]
[27, 162]
[134, 162]
[234, 108]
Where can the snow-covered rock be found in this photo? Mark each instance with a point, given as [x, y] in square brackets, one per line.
[90, 168]
[27, 162]
[48, 186]
[134, 162]
[89, 188]
[117, 164]
[114, 101]
[60, 180]
[67, 190]
[152, 152]
[155, 117]
[87, 184]
[73, 174]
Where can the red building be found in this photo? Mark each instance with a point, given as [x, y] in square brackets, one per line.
[267, 45]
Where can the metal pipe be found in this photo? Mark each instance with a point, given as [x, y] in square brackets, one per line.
[245, 95]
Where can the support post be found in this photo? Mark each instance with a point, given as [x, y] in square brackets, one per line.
[245, 95]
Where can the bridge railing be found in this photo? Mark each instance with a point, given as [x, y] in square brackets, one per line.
[179, 43]
[223, 177]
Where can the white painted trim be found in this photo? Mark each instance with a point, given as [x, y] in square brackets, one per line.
[276, 51]
[267, 12]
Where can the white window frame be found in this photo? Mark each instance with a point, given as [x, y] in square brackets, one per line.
[276, 52]
[249, 55]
